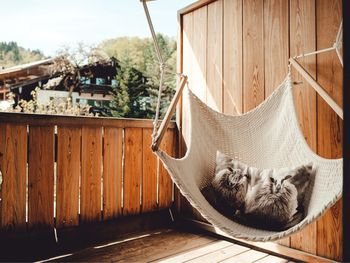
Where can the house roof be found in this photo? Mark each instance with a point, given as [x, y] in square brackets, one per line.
[16, 75]
[26, 66]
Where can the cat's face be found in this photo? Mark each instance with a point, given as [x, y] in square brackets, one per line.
[279, 184]
[231, 184]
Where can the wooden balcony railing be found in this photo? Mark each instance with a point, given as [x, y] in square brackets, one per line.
[62, 171]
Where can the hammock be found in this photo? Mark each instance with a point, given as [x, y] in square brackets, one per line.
[266, 137]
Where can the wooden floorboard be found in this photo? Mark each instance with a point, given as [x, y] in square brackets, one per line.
[246, 257]
[221, 254]
[272, 259]
[168, 246]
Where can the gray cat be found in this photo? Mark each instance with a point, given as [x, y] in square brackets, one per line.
[269, 199]
[228, 188]
[276, 204]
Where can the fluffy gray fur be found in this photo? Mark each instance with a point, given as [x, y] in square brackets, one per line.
[270, 199]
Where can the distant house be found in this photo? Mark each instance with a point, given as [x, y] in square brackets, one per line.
[22, 79]
[94, 88]
[95, 85]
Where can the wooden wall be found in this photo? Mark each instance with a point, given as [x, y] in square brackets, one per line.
[235, 53]
[61, 171]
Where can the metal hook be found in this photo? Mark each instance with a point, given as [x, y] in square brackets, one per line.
[297, 82]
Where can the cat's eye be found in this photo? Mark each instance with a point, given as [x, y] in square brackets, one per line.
[272, 180]
[287, 177]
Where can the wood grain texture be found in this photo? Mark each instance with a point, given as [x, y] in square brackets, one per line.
[265, 50]
[61, 120]
[165, 182]
[188, 36]
[112, 172]
[13, 163]
[329, 76]
[276, 43]
[214, 76]
[303, 39]
[253, 54]
[221, 255]
[91, 173]
[276, 50]
[149, 173]
[187, 46]
[132, 170]
[247, 256]
[232, 56]
[149, 248]
[199, 60]
[68, 174]
[41, 176]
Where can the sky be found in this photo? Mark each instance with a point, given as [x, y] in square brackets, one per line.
[48, 25]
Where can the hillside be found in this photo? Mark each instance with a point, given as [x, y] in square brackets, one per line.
[11, 54]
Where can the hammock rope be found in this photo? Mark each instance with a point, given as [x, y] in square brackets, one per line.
[158, 132]
[337, 45]
[162, 67]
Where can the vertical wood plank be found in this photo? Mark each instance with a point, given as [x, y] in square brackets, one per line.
[276, 43]
[13, 162]
[187, 33]
[149, 173]
[132, 170]
[253, 54]
[232, 55]
[329, 76]
[68, 174]
[214, 56]
[165, 182]
[303, 39]
[112, 172]
[276, 50]
[41, 176]
[199, 59]
[188, 36]
[91, 172]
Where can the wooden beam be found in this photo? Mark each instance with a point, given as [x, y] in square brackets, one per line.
[43, 119]
[194, 6]
[317, 87]
[170, 112]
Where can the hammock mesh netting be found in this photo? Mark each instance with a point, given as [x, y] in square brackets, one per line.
[266, 137]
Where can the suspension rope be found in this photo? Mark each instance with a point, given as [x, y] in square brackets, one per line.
[156, 138]
[336, 46]
[162, 67]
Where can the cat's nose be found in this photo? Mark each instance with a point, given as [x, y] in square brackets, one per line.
[278, 187]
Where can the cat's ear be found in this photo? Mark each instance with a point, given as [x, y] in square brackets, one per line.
[221, 157]
[310, 168]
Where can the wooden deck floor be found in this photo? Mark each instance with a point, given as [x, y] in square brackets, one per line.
[169, 246]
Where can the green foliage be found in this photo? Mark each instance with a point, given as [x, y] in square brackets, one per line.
[131, 94]
[11, 54]
[138, 53]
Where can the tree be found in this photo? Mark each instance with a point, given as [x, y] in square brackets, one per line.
[139, 53]
[11, 54]
[70, 60]
[130, 94]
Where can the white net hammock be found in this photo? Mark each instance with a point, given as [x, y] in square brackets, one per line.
[266, 137]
